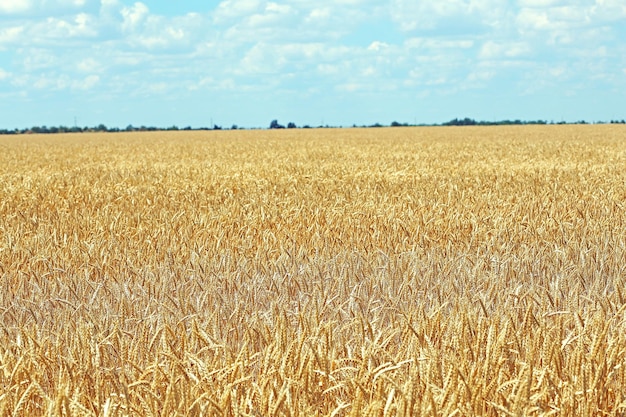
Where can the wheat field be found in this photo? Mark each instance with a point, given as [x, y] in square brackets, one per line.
[356, 272]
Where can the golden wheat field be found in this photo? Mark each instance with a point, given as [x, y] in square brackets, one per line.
[356, 272]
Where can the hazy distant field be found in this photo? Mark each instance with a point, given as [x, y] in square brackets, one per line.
[388, 272]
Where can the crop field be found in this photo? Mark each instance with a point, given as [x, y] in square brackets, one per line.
[357, 272]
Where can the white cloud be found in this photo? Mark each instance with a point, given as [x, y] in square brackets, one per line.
[435, 43]
[134, 16]
[14, 6]
[249, 21]
[558, 71]
[319, 14]
[52, 82]
[267, 58]
[51, 32]
[235, 9]
[330, 69]
[377, 46]
[481, 76]
[39, 59]
[413, 15]
[89, 65]
[273, 14]
[10, 35]
[574, 29]
[495, 50]
[46, 7]
[538, 3]
[157, 32]
[534, 19]
[81, 25]
[86, 83]
[555, 16]
[430, 46]
[278, 8]
[609, 10]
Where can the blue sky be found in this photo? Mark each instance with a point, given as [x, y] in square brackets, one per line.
[341, 62]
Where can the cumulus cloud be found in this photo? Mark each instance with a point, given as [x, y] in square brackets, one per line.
[357, 46]
[39, 59]
[46, 7]
[270, 59]
[15, 6]
[89, 65]
[134, 16]
[10, 35]
[539, 3]
[557, 16]
[86, 83]
[435, 43]
[430, 14]
[229, 10]
[81, 25]
[494, 50]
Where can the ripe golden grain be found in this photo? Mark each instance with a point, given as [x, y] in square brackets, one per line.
[393, 272]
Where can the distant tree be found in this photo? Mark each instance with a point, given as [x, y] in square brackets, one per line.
[397, 124]
[101, 128]
[291, 125]
[461, 122]
[276, 125]
[234, 127]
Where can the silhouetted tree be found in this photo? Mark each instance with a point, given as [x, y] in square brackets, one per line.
[276, 125]
[397, 124]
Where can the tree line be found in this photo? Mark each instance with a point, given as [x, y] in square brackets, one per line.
[276, 125]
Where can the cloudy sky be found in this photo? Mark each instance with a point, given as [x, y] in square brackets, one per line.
[341, 62]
